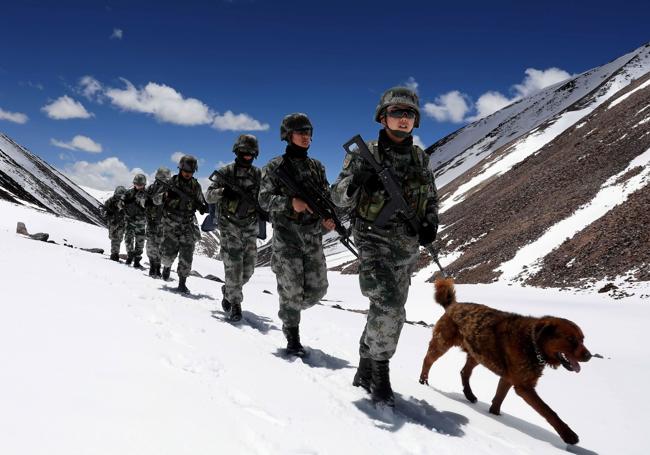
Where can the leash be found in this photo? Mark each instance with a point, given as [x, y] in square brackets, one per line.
[538, 354]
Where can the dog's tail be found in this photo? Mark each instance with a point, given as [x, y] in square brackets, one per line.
[445, 293]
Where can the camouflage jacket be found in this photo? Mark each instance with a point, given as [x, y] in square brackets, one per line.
[153, 205]
[410, 167]
[182, 209]
[113, 210]
[248, 178]
[275, 198]
[134, 203]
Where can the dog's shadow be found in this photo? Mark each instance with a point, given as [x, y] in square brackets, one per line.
[260, 323]
[416, 411]
[316, 359]
[516, 423]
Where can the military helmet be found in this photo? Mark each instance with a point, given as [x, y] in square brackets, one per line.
[163, 173]
[140, 179]
[398, 96]
[294, 122]
[246, 143]
[188, 163]
[119, 190]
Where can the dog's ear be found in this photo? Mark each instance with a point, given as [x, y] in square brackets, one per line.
[545, 329]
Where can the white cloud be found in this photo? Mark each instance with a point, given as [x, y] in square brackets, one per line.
[537, 80]
[161, 101]
[450, 107]
[237, 122]
[66, 108]
[176, 157]
[15, 117]
[488, 103]
[412, 84]
[90, 87]
[79, 143]
[103, 175]
[417, 141]
[118, 33]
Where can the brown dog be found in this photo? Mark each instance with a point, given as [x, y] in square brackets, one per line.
[515, 347]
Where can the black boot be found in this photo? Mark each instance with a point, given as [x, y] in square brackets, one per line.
[129, 258]
[225, 304]
[165, 273]
[152, 269]
[136, 262]
[115, 257]
[382, 393]
[235, 313]
[293, 341]
[181, 285]
[363, 376]
[156, 273]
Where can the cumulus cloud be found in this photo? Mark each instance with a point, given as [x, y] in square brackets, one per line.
[90, 87]
[103, 175]
[65, 108]
[176, 157]
[237, 122]
[417, 141]
[450, 107]
[118, 33]
[412, 84]
[79, 143]
[161, 101]
[455, 106]
[15, 117]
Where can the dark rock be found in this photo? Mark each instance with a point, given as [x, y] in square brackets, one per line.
[195, 273]
[213, 278]
[93, 250]
[267, 292]
[21, 228]
[41, 236]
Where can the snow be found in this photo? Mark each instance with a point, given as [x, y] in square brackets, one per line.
[622, 98]
[99, 358]
[610, 195]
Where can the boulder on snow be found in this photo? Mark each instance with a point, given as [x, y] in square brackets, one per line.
[195, 273]
[21, 228]
[93, 250]
[213, 278]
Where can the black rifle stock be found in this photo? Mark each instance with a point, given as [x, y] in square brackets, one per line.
[203, 206]
[318, 201]
[396, 203]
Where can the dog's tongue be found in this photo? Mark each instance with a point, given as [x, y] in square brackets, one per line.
[575, 365]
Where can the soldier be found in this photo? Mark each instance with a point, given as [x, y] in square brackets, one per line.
[135, 199]
[154, 211]
[297, 260]
[180, 228]
[114, 212]
[387, 254]
[238, 221]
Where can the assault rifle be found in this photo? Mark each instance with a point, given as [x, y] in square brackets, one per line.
[396, 203]
[203, 206]
[247, 201]
[319, 201]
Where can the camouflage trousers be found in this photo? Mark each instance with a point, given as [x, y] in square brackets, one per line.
[179, 238]
[299, 265]
[238, 253]
[154, 240]
[134, 235]
[385, 267]
[116, 234]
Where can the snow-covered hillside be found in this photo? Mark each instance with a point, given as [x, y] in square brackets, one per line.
[26, 179]
[99, 358]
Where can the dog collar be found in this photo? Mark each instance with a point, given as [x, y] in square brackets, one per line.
[538, 354]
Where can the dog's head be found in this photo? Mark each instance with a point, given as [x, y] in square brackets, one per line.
[561, 343]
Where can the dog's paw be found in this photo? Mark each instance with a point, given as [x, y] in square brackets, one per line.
[470, 396]
[569, 436]
[424, 380]
[494, 410]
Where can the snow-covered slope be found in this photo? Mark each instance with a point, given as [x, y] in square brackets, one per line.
[99, 358]
[27, 179]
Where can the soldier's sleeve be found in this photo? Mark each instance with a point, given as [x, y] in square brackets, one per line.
[343, 195]
[431, 212]
[270, 197]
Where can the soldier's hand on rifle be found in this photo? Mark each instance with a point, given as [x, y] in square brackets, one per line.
[367, 179]
[328, 224]
[427, 233]
[300, 206]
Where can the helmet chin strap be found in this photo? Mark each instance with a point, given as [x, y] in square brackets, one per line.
[399, 133]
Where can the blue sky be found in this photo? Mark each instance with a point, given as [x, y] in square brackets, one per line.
[190, 77]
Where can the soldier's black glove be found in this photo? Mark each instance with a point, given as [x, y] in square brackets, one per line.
[203, 208]
[264, 216]
[367, 179]
[230, 194]
[427, 233]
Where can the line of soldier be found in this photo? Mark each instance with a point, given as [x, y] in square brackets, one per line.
[387, 253]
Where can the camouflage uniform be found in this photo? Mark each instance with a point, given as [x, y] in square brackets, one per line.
[136, 222]
[387, 256]
[297, 260]
[114, 210]
[238, 230]
[179, 225]
[154, 212]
